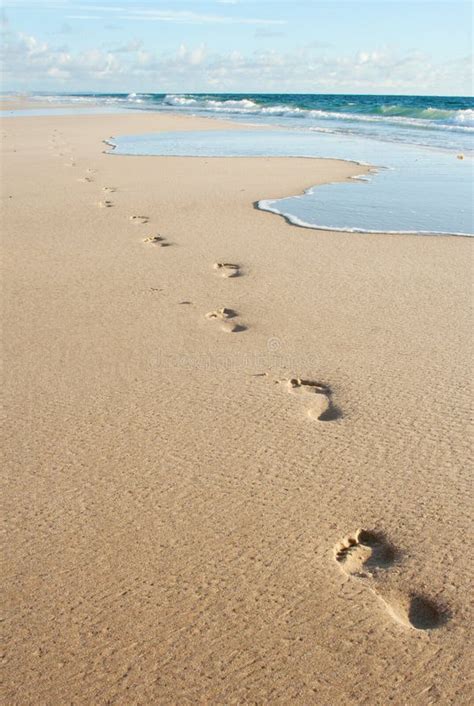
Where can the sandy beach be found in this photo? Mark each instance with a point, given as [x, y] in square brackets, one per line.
[190, 450]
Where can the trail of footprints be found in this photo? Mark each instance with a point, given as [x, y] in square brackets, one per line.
[62, 149]
[318, 395]
[228, 318]
[363, 555]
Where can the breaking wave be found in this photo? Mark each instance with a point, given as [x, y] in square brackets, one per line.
[423, 117]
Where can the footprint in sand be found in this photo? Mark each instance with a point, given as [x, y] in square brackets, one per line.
[105, 204]
[109, 189]
[227, 317]
[157, 240]
[139, 219]
[362, 553]
[227, 269]
[322, 407]
[86, 179]
[362, 556]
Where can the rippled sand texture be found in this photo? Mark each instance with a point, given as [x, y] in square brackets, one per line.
[274, 514]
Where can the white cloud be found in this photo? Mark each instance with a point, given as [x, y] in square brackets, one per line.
[29, 60]
[143, 13]
[55, 72]
[32, 64]
[195, 57]
[131, 46]
[188, 17]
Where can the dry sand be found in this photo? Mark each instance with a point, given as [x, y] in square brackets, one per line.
[18, 102]
[181, 519]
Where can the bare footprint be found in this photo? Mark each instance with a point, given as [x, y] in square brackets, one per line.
[362, 555]
[139, 219]
[157, 240]
[227, 269]
[322, 407]
[222, 314]
[227, 318]
[109, 189]
[105, 204]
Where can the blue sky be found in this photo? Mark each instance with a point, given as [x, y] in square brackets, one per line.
[307, 46]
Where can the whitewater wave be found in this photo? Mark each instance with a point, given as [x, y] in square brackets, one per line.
[465, 117]
[395, 113]
[210, 103]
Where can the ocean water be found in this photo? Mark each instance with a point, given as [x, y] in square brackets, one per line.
[445, 122]
[418, 185]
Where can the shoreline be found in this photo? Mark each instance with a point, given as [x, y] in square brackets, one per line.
[293, 221]
[179, 498]
[395, 201]
[370, 167]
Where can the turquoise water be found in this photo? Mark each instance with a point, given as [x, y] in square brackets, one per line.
[412, 189]
[438, 121]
